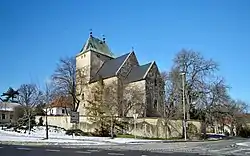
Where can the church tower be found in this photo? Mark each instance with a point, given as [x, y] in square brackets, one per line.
[93, 54]
[91, 57]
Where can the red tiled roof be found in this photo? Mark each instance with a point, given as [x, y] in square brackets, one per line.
[62, 102]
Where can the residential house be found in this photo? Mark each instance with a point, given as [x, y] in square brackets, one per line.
[7, 112]
[59, 107]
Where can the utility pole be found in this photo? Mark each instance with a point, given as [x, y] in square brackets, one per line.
[184, 105]
[46, 123]
[29, 121]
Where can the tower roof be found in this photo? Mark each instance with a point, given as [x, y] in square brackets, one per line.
[97, 45]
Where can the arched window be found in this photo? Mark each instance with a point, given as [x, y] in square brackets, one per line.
[155, 82]
[155, 104]
[82, 96]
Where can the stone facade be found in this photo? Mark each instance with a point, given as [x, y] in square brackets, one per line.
[148, 85]
[129, 63]
[154, 92]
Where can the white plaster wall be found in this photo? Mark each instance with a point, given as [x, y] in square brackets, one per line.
[57, 111]
[7, 116]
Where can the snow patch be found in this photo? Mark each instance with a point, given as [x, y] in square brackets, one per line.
[57, 134]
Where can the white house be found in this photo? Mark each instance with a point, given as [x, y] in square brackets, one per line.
[59, 107]
[7, 111]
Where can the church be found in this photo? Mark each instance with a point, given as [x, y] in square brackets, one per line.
[99, 62]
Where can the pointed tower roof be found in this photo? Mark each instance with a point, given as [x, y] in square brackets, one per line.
[97, 45]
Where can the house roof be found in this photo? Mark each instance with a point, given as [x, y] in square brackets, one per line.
[61, 102]
[97, 45]
[137, 73]
[8, 106]
[110, 67]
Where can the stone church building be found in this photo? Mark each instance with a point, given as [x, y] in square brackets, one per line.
[98, 61]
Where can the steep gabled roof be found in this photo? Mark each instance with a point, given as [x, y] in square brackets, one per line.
[97, 45]
[137, 73]
[110, 67]
[61, 102]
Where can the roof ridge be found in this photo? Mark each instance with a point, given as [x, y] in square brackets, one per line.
[151, 64]
[97, 45]
[124, 61]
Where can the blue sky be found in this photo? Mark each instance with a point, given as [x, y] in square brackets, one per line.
[35, 34]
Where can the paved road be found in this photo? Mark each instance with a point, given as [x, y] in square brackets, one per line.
[10, 150]
[223, 147]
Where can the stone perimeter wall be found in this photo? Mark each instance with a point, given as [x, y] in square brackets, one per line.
[145, 127]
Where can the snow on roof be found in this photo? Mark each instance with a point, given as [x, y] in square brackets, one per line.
[8, 106]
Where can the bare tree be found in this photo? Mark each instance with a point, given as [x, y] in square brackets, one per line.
[29, 97]
[133, 100]
[235, 109]
[95, 107]
[198, 71]
[103, 100]
[101, 104]
[173, 94]
[48, 97]
[69, 80]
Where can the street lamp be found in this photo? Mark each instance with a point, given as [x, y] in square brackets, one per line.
[184, 105]
[46, 123]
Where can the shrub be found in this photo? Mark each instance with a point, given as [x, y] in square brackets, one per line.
[243, 132]
[77, 132]
[40, 123]
[192, 130]
[101, 132]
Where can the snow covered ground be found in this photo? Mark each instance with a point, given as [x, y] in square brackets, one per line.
[245, 144]
[58, 135]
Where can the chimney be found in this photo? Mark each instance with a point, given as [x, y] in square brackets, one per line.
[103, 39]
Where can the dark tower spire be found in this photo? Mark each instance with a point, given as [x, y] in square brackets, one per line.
[103, 38]
[90, 33]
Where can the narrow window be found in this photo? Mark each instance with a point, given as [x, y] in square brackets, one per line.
[63, 111]
[3, 116]
[155, 104]
[155, 82]
[82, 96]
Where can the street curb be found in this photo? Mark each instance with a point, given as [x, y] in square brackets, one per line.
[46, 143]
[175, 141]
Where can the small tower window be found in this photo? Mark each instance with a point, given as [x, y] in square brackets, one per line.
[155, 104]
[3, 116]
[82, 96]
